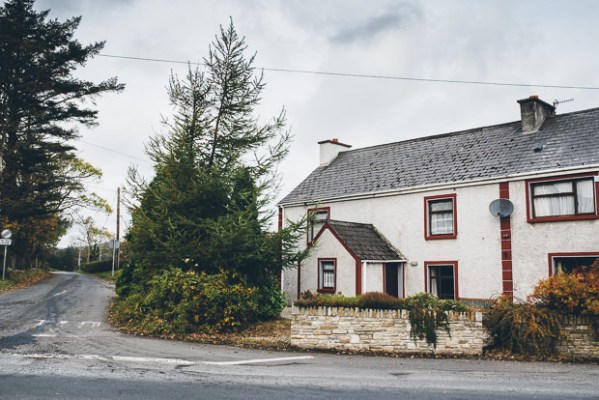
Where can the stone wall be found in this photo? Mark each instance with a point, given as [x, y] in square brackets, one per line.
[381, 331]
[581, 338]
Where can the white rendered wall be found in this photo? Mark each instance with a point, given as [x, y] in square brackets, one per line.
[532, 242]
[329, 247]
[372, 277]
[477, 248]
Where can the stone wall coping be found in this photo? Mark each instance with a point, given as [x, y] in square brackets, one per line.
[375, 313]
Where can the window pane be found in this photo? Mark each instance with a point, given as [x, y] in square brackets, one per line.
[445, 205]
[586, 196]
[441, 223]
[553, 188]
[553, 206]
[441, 281]
[327, 273]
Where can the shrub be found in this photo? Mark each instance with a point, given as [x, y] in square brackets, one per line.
[427, 316]
[573, 293]
[307, 299]
[97, 266]
[178, 302]
[380, 301]
[522, 328]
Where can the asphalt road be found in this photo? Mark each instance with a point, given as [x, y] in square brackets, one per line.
[55, 344]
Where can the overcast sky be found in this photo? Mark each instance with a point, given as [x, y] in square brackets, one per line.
[527, 42]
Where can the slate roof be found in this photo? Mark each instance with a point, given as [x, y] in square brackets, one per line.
[365, 241]
[567, 140]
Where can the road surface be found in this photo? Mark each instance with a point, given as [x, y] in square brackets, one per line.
[55, 343]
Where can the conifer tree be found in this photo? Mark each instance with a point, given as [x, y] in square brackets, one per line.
[41, 105]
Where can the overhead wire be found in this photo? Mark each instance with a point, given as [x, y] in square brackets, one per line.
[369, 76]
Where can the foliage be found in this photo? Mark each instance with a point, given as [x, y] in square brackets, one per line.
[90, 234]
[381, 301]
[574, 293]
[97, 266]
[522, 328]
[16, 279]
[308, 299]
[271, 299]
[64, 259]
[41, 105]
[180, 302]
[215, 169]
[131, 280]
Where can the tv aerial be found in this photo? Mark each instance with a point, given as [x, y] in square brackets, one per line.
[501, 208]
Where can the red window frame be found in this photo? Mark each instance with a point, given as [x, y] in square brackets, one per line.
[551, 256]
[454, 264]
[427, 219]
[320, 282]
[556, 218]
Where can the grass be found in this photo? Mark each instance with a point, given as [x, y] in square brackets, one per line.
[17, 279]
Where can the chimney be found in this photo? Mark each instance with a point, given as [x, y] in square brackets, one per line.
[534, 112]
[329, 149]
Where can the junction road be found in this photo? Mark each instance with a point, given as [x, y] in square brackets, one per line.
[55, 344]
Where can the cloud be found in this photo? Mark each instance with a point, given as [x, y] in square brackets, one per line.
[390, 21]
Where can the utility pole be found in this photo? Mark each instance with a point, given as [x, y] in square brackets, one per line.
[118, 225]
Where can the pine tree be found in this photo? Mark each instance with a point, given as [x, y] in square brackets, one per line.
[41, 104]
[215, 173]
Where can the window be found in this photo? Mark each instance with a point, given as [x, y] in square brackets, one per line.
[441, 279]
[440, 217]
[564, 199]
[568, 262]
[327, 275]
[317, 218]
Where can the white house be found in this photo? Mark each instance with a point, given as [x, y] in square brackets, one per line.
[415, 215]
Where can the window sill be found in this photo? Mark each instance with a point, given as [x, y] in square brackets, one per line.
[562, 218]
[329, 291]
[440, 237]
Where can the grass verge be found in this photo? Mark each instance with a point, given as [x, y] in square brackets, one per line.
[17, 279]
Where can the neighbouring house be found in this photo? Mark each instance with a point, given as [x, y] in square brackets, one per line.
[462, 215]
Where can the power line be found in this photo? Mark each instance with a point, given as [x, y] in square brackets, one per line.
[116, 151]
[369, 76]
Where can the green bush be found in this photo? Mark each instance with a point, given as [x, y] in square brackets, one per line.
[522, 328]
[380, 301]
[307, 299]
[97, 266]
[131, 279]
[178, 302]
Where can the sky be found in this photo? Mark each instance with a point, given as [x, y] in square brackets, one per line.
[532, 43]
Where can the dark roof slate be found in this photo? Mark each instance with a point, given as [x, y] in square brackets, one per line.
[365, 241]
[567, 140]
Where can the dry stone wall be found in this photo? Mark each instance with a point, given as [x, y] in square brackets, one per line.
[581, 339]
[381, 331]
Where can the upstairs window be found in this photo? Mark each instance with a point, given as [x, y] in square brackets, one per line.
[317, 218]
[563, 199]
[569, 262]
[326, 275]
[440, 217]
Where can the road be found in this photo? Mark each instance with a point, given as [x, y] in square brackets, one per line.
[55, 343]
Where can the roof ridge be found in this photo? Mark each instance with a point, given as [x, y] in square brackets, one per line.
[457, 133]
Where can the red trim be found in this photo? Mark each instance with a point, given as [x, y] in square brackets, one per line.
[403, 280]
[358, 277]
[299, 279]
[531, 219]
[334, 141]
[550, 257]
[505, 231]
[280, 218]
[310, 229]
[384, 278]
[327, 290]
[452, 196]
[453, 264]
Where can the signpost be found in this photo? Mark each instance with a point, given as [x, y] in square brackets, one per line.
[5, 241]
[114, 245]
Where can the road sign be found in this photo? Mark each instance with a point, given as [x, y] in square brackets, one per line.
[5, 242]
[114, 244]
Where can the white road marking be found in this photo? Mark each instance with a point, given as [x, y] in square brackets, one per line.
[44, 335]
[158, 360]
[258, 360]
[60, 293]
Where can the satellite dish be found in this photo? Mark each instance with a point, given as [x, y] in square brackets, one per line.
[501, 208]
